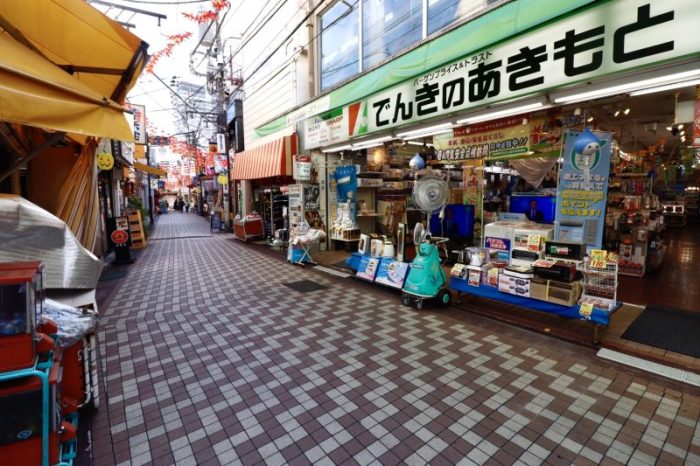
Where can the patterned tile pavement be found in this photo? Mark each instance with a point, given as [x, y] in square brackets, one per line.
[180, 225]
[209, 359]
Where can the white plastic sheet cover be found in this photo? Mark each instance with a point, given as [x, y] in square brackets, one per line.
[72, 323]
[28, 233]
[533, 170]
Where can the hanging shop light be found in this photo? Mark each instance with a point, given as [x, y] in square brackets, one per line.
[667, 87]
[337, 148]
[660, 78]
[426, 131]
[371, 142]
[504, 112]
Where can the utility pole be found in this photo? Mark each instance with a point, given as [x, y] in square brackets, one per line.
[221, 102]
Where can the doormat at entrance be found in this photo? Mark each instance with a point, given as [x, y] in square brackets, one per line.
[666, 328]
[305, 286]
[342, 265]
[113, 275]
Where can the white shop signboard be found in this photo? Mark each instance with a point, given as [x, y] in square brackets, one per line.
[616, 36]
[610, 38]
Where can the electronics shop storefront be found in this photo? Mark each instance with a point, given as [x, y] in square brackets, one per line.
[492, 125]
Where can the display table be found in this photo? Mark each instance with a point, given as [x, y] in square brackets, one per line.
[598, 316]
[247, 229]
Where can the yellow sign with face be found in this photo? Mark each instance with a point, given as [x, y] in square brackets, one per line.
[222, 179]
[105, 161]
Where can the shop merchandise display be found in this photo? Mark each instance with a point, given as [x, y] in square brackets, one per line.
[48, 369]
[426, 279]
[301, 237]
[248, 227]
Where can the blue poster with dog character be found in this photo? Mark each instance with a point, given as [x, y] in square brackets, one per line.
[583, 187]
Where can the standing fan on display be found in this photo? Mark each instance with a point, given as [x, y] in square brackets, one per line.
[426, 279]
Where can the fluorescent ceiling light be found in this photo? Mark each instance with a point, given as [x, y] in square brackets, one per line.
[418, 143]
[503, 113]
[667, 87]
[426, 131]
[626, 87]
[338, 148]
[371, 142]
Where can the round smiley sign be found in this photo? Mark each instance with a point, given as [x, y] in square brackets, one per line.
[105, 161]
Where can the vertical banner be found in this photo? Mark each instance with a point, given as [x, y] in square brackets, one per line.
[583, 188]
[473, 179]
[139, 123]
[346, 182]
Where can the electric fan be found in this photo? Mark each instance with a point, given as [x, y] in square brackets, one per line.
[426, 279]
[430, 195]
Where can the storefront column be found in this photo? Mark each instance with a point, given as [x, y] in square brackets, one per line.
[247, 191]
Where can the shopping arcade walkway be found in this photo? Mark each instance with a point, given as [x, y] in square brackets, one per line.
[210, 359]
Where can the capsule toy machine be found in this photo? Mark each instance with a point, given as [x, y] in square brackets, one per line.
[22, 427]
[21, 297]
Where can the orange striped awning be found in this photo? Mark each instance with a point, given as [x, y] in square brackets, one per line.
[266, 161]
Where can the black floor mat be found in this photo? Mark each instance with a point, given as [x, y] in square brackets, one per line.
[113, 275]
[342, 265]
[305, 286]
[666, 328]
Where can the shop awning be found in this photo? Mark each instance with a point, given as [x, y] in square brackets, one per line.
[35, 92]
[151, 170]
[79, 39]
[266, 161]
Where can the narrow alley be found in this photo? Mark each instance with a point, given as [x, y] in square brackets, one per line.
[215, 353]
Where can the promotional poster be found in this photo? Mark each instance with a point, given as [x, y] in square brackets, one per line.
[583, 187]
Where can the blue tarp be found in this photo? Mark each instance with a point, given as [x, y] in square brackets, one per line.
[598, 316]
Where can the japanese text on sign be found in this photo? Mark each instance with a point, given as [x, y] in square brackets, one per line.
[573, 49]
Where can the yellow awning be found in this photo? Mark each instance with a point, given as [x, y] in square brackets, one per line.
[35, 92]
[80, 39]
[148, 169]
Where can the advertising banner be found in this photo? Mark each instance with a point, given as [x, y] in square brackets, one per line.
[583, 188]
[391, 273]
[367, 268]
[335, 126]
[139, 123]
[346, 186]
[502, 137]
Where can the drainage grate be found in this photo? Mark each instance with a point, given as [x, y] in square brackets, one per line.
[305, 286]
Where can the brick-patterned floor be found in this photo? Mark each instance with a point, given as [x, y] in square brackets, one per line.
[209, 359]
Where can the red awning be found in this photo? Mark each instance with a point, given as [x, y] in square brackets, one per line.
[266, 161]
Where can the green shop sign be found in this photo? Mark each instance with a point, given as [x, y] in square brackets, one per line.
[607, 39]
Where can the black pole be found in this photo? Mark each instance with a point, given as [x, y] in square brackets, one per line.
[148, 175]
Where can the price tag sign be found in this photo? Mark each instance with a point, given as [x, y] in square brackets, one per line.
[533, 243]
[599, 258]
[586, 309]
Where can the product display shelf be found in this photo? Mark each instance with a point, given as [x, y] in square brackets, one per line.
[598, 317]
[42, 367]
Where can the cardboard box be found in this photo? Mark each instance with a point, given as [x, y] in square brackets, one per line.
[566, 294]
[514, 285]
[538, 288]
[370, 182]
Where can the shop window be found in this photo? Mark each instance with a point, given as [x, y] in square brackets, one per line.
[442, 13]
[340, 42]
[389, 26]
